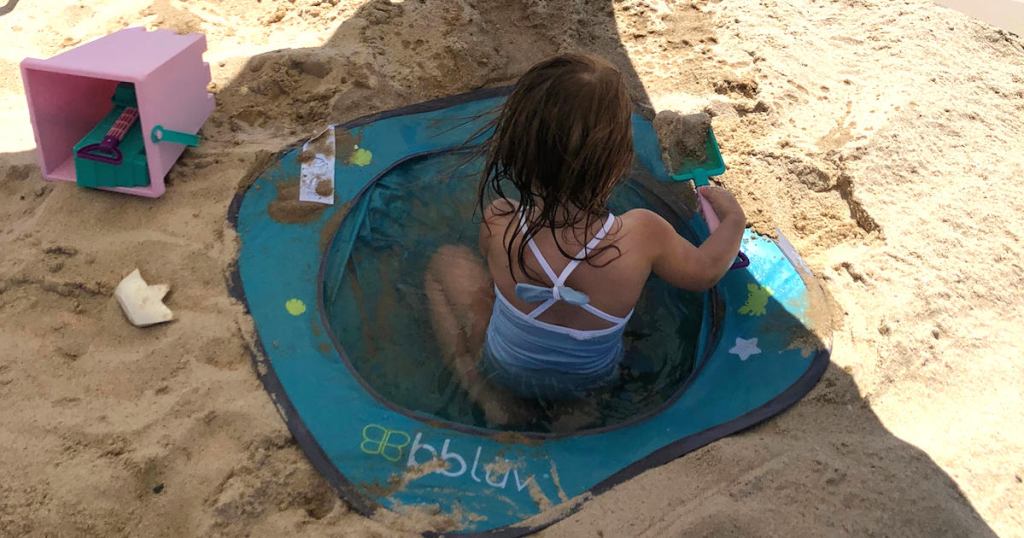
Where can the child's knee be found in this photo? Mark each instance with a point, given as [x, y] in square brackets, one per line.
[447, 255]
[455, 253]
[454, 264]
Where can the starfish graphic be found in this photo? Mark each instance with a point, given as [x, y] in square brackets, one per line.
[745, 348]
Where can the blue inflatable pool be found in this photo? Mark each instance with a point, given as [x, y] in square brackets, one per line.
[347, 355]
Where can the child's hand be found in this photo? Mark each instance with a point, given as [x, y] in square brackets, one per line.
[724, 203]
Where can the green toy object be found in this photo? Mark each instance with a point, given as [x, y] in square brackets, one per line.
[113, 153]
[699, 172]
[162, 134]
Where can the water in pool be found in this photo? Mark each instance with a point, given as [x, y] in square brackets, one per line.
[374, 302]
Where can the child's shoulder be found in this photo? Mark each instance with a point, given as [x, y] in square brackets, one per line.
[502, 207]
[497, 216]
[646, 230]
[643, 219]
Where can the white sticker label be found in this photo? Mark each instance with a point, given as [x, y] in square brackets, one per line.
[316, 181]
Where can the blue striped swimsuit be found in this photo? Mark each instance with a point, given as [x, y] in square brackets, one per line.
[536, 359]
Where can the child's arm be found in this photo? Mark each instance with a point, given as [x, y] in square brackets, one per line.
[679, 263]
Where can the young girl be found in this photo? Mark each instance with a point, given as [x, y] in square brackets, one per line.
[544, 315]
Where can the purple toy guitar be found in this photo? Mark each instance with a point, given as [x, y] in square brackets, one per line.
[107, 151]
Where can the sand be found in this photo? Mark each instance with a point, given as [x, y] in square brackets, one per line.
[683, 138]
[883, 138]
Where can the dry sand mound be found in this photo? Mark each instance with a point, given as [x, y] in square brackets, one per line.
[883, 138]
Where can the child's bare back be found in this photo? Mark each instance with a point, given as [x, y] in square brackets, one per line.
[643, 241]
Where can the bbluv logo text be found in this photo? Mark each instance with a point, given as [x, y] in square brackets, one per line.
[392, 444]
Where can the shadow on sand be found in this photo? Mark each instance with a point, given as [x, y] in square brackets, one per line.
[827, 465]
[8, 7]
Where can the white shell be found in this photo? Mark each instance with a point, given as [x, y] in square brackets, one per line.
[142, 303]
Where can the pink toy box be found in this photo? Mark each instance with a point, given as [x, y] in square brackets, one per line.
[69, 93]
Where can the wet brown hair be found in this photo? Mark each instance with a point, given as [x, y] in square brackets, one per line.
[563, 140]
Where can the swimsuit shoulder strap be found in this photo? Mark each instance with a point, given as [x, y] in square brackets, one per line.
[582, 254]
[559, 279]
[536, 251]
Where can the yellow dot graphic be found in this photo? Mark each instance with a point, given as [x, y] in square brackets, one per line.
[295, 307]
[361, 157]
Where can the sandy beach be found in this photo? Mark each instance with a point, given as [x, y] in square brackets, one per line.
[884, 138]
